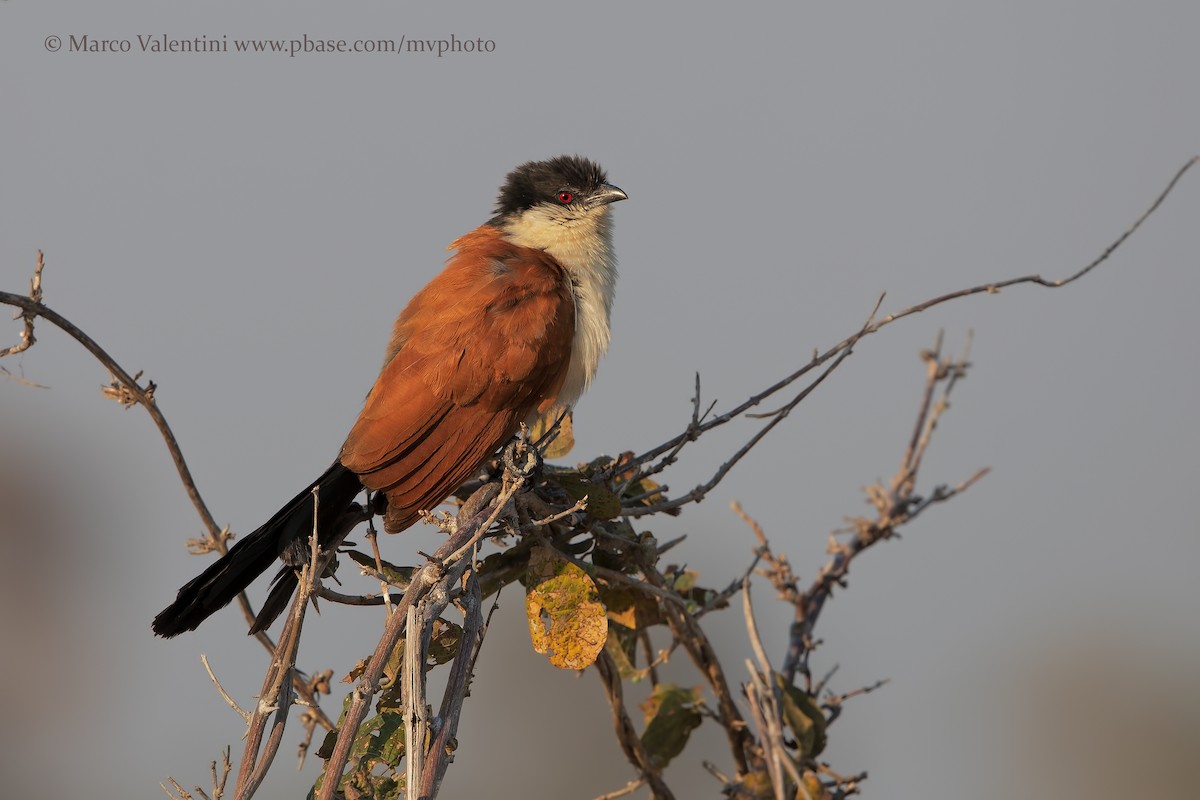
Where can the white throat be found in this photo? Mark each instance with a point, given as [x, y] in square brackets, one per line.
[582, 243]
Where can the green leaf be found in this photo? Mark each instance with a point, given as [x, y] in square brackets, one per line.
[325, 751]
[378, 743]
[684, 580]
[386, 742]
[672, 714]
[601, 503]
[804, 716]
[622, 648]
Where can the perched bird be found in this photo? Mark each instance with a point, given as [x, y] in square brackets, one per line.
[515, 324]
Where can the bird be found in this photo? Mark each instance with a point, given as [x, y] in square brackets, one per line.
[514, 326]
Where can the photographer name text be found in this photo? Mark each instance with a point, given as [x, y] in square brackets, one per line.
[305, 45]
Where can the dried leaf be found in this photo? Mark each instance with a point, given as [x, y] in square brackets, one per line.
[565, 439]
[632, 609]
[812, 784]
[646, 490]
[567, 622]
[443, 645]
[625, 458]
[356, 671]
[758, 786]
[645, 486]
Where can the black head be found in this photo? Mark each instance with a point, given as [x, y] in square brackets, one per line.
[562, 181]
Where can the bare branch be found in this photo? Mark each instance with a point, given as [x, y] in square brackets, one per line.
[282, 680]
[627, 736]
[437, 760]
[775, 417]
[177, 792]
[627, 789]
[896, 507]
[449, 576]
[245, 715]
[28, 314]
[764, 702]
[32, 307]
[126, 388]
[373, 536]
[696, 428]
[687, 631]
[445, 567]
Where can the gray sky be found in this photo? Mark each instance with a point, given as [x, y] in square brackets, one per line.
[244, 227]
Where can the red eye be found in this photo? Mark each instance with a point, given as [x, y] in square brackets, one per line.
[565, 197]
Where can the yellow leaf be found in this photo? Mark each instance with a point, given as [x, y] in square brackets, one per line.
[567, 622]
[565, 438]
[813, 786]
[757, 785]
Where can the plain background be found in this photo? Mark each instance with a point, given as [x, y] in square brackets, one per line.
[244, 228]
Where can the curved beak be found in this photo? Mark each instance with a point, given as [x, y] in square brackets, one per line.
[607, 193]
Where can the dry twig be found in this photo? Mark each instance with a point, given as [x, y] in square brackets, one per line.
[449, 576]
[660, 457]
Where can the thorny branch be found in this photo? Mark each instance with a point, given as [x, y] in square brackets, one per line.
[440, 579]
[686, 630]
[667, 452]
[626, 732]
[126, 389]
[896, 506]
[766, 707]
[177, 792]
[133, 392]
[277, 694]
[759, 746]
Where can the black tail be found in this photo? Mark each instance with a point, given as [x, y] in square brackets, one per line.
[214, 588]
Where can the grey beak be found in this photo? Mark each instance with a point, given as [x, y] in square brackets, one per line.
[607, 193]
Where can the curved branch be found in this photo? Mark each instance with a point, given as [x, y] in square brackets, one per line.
[698, 426]
[128, 391]
[32, 308]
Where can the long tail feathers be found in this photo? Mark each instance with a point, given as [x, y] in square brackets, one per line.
[282, 588]
[214, 588]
